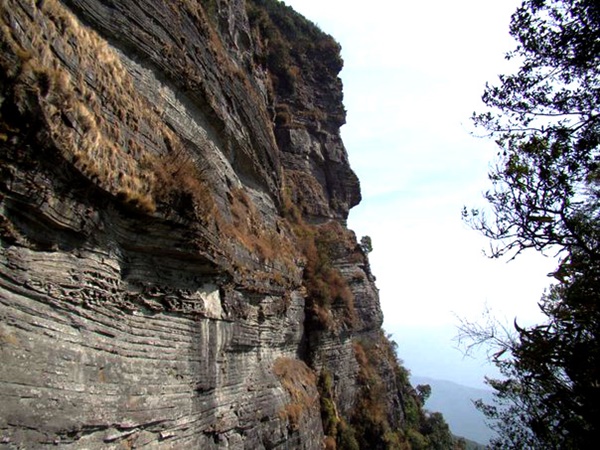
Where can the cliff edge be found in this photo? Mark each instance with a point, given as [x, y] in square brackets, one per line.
[175, 268]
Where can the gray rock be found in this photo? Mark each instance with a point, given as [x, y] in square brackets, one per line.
[150, 281]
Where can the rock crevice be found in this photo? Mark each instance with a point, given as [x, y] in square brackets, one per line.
[175, 271]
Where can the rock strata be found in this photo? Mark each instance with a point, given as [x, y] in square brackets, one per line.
[175, 271]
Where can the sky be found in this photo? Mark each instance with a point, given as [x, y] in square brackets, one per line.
[413, 75]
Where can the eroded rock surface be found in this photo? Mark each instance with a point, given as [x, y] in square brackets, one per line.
[171, 198]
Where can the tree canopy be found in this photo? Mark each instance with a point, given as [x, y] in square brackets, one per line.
[545, 195]
[545, 118]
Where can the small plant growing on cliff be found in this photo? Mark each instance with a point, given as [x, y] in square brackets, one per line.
[300, 383]
[371, 422]
[290, 41]
[366, 244]
[325, 285]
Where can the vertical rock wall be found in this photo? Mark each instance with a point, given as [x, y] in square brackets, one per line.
[169, 196]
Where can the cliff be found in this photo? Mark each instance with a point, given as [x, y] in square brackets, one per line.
[175, 269]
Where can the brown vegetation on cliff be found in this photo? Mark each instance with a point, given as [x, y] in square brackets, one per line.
[173, 252]
[88, 105]
[69, 109]
[300, 383]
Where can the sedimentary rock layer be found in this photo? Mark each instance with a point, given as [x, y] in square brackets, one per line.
[167, 200]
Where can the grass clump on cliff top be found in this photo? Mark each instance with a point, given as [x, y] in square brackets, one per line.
[292, 43]
[62, 76]
[88, 103]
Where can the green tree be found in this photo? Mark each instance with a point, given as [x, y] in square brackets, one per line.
[550, 396]
[366, 244]
[545, 195]
[545, 119]
[423, 392]
[437, 432]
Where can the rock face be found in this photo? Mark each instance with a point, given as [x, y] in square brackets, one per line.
[175, 271]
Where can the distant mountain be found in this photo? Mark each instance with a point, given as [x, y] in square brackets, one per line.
[472, 445]
[455, 402]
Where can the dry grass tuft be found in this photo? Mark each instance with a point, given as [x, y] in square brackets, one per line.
[321, 246]
[248, 227]
[330, 443]
[89, 104]
[301, 384]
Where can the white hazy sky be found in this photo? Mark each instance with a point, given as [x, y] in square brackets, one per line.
[413, 74]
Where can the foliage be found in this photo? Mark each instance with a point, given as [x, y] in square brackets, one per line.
[372, 421]
[346, 439]
[550, 395]
[423, 392]
[545, 118]
[300, 383]
[293, 42]
[366, 244]
[546, 121]
[328, 412]
[339, 435]
[326, 287]
[437, 431]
